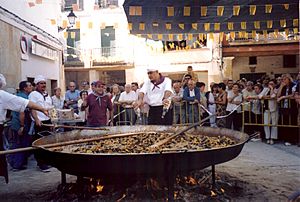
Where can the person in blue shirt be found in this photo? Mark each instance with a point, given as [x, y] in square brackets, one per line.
[20, 125]
[191, 95]
[72, 96]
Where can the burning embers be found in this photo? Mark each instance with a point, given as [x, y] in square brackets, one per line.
[194, 187]
[140, 143]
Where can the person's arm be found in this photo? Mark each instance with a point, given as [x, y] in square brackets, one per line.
[21, 117]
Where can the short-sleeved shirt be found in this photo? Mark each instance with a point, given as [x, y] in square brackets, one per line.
[230, 107]
[75, 96]
[131, 96]
[58, 103]
[97, 109]
[42, 100]
[156, 93]
[11, 102]
[15, 121]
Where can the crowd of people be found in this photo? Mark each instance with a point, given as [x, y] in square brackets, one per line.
[265, 105]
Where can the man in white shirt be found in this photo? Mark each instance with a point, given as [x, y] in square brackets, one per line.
[159, 90]
[41, 98]
[14, 103]
[127, 98]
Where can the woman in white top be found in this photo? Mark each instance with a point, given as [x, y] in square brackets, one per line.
[234, 99]
[212, 96]
[57, 100]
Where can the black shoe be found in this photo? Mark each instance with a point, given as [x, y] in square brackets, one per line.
[44, 168]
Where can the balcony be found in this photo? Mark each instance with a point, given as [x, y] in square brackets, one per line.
[104, 56]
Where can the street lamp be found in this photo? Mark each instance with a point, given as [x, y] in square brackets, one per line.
[71, 18]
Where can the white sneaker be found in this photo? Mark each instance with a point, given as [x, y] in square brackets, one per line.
[268, 141]
[287, 144]
[271, 141]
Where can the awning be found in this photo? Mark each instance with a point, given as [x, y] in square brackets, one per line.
[168, 19]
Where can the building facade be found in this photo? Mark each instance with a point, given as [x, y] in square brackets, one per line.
[29, 42]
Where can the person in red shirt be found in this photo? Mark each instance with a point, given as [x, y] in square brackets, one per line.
[98, 102]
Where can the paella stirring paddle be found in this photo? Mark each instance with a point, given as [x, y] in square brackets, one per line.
[164, 141]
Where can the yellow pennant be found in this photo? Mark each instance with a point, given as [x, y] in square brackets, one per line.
[138, 10]
[90, 25]
[232, 35]
[207, 26]
[269, 24]
[211, 36]
[221, 36]
[102, 25]
[240, 34]
[53, 21]
[286, 31]
[64, 24]
[227, 37]
[77, 25]
[283, 23]
[220, 10]
[295, 30]
[66, 35]
[186, 11]
[190, 37]
[296, 22]
[73, 35]
[155, 24]
[268, 8]
[245, 35]
[168, 26]
[142, 26]
[252, 9]
[217, 26]
[286, 6]
[159, 36]
[257, 24]
[195, 26]
[201, 36]
[170, 37]
[203, 11]
[149, 36]
[170, 11]
[179, 37]
[243, 25]
[276, 33]
[230, 25]
[253, 33]
[236, 10]
[181, 25]
[129, 26]
[265, 33]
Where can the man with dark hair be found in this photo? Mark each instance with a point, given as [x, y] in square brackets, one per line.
[135, 87]
[20, 125]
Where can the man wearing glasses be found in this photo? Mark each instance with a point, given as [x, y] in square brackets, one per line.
[72, 96]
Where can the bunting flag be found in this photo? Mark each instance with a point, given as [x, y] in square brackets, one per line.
[295, 30]
[283, 23]
[102, 25]
[256, 24]
[230, 25]
[243, 25]
[217, 26]
[64, 24]
[53, 21]
[232, 35]
[269, 24]
[77, 25]
[190, 37]
[181, 26]
[142, 26]
[203, 11]
[186, 11]
[90, 25]
[252, 9]
[149, 36]
[73, 35]
[206, 27]
[276, 33]
[195, 26]
[159, 36]
[221, 36]
[170, 11]
[286, 31]
[170, 37]
[201, 37]
[265, 33]
[211, 36]
[268, 8]
[236, 10]
[253, 33]
[129, 26]
[286, 6]
[168, 26]
[296, 22]
[180, 37]
[66, 35]
[220, 10]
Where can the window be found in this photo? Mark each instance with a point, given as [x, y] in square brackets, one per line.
[135, 10]
[108, 41]
[289, 61]
[73, 43]
[106, 3]
[252, 60]
[68, 4]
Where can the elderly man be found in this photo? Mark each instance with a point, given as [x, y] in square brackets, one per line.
[127, 98]
[72, 96]
[14, 103]
[178, 105]
[191, 94]
[41, 98]
[159, 90]
[98, 103]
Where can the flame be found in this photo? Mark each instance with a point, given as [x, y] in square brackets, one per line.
[99, 187]
[175, 194]
[191, 181]
[212, 193]
[222, 190]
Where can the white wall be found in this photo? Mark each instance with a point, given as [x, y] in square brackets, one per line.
[38, 15]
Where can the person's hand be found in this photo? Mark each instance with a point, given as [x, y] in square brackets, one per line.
[20, 131]
[138, 104]
[38, 122]
[166, 101]
[46, 112]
